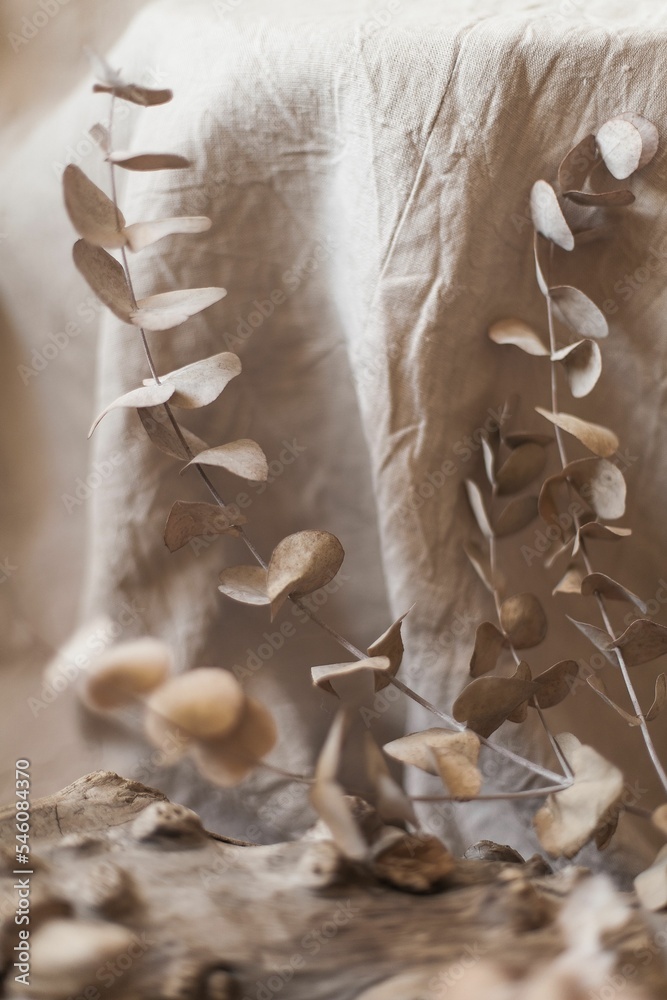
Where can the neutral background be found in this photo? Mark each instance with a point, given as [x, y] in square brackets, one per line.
[373, 161]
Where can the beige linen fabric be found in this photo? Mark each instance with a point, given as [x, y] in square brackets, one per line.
[369, 167]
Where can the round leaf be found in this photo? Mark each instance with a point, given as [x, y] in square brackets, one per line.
[523, 620]
[302, 563]
[548, 217]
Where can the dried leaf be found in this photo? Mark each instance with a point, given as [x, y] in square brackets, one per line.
[170, 309]
[520, 334]
[523, 620]
[143, 234]
[144, 96]
[302, 563]
[190, 520]
[328, 798]
[148, 161]
[105, 276]
[390, 644]
[597, 685]
[600, 484]
[643, 640]
[524, 673]
[556, 683]
[577, 164]
[602, 584]
[515, 438]
[659, 698]
[199, 383]
[481, 564]
[620, 145]
[616, 198]
[659, 818]
[651, 886]
[125, 672]
[600, 440]
[541, 252]
[569, 819]
[600, 533]
[548, 217]
[145, 395]
[489, 455]
[583, 366]
[489, 641]
[478, 507]
[100, 135]
[547, 502]
[598, 636]
[205, 703]
[227, 760]
[520, 468]
[412, 862]
[575, 310]
[375, 666]
[161, 432]
[246, 584]
[426, 750]
[488, 701]
[390, 801]
[92, 214]
[570, 583]
[649, 134]
[243, 458]
[516, 515]
[458, 770]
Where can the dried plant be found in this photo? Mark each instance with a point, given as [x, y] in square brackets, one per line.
[206, 713]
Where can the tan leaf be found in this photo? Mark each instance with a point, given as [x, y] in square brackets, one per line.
[246, 584]
[243, 458]
[390, 644]
[597, 685]
[302, 563]
[228, 759]
[146, 395]
[569, 819]
[602, 584]
[490, 455]
[190, 520]
[548, 217]
[170, 309]
[92, 214]
[204, 703]
[616, 198]
[659, 698]
[148, 161]
[459, 772]
[600, 532]
[481, 564]
[600, 484]
[523, 620]
[541, 253]
[487, 702]
[574, 309]
[489, 641]
[556, 683]
[143, 234]
[524, 463]
[547, 502]
[328, 798]
[161, 432]
[199, 383]
[478, 507]
[105, 276]
[516, 515]
[412, 862]
[426, 749]
[643, 640]
[583, 366]
[659, 818]
[125, 672]
[600, 440]
[390, 801]
[649, 134]
[519, 334]
[651, 886]
[577, 164]
[570, 583]
[620, 145]
[374, 666]
[145, 96]
[598, 636]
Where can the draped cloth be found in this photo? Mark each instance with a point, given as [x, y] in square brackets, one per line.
[367, 169]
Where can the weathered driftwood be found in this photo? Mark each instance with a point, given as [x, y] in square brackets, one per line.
[131, 898]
